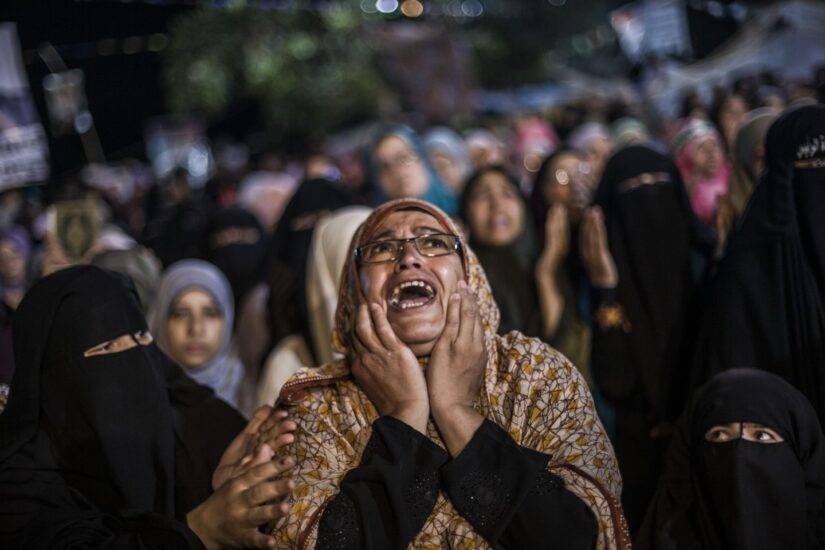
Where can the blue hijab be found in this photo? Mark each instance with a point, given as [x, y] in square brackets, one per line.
[437, 193]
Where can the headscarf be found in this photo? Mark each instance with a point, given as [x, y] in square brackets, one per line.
[19, 238]
[629, 131]
[223, 373]
[651, 232]
[741, 494]
[582, 137]
[444, 140]
[95, 446]
[749, 137]
[529, 390]
[509, 268]
[140, 264]
[330, 242]
[437, 192]
[288, 252]
[767, 305]
[704, 193]
[266, 194]
[235, 244]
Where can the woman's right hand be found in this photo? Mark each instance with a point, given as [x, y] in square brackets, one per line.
[557, 241]
[594, 250]
[230, 517]
[388, 371]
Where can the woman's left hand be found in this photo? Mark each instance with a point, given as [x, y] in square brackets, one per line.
[457, 362]
[266, 426]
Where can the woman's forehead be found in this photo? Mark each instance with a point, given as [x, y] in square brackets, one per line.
[401, 222]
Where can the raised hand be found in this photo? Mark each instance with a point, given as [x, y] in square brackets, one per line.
[557, 241]
[388, 371]
[266, 426]
[456, 371]
[594, 250]
[230, 517]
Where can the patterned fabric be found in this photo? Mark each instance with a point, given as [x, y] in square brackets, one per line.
[4, 397]
[530, 390]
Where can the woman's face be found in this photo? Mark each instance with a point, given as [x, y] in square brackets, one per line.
[731, 115]
[707, 157]
[749, 431]
[495, 211]
[408, 278]
[12, 263]
[401, 173]
[568, 182]
[194, 328]
[448, 170]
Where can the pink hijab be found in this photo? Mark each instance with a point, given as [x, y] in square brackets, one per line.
[704, 191]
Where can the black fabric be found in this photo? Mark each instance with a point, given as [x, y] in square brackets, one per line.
[509, 268]
[235, 243]
[741, 494]
[288, 253]
[384, 502]
[6, 348]
[652, 233]
[178, 232]
[506, 493]
[88, 449]
[639, 360]
[767, 302]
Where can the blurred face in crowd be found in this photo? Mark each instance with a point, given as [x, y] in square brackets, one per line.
[12, 263]
[448, 170]
[414, 289]
[495, 211]
[401, 173]
[484, 153]
[707, 157]
[569, 182]
[731, 115]
[194, 328]
[749, 431]
[598, 152]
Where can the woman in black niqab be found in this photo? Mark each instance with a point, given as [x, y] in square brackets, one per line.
[740, 494]
[104, 440]
[767, 302]
[642, 325]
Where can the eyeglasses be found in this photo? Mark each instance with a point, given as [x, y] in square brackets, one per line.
[435, 244]
[404, 158]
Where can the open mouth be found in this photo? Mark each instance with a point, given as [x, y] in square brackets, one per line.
[412, 294]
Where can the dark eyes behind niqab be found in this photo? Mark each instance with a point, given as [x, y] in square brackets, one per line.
[742, 494]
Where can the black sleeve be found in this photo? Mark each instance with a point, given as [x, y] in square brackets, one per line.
[612, 356]
[384, 502]
[506, 493]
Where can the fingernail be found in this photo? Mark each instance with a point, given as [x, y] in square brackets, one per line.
[287, 461]
[462, 285]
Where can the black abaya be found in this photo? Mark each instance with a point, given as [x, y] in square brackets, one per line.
[767, 306]
[742, 495]
[100, 451]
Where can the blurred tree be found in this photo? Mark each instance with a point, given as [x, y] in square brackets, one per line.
[311, 71]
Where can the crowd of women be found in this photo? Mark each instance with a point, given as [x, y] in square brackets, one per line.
[582, 330]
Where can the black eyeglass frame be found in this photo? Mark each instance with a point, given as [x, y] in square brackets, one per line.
[359, 257]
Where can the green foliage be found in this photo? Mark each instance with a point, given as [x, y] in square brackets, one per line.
[311, 71]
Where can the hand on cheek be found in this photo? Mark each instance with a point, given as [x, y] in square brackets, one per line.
[456, 368]
[387, 369]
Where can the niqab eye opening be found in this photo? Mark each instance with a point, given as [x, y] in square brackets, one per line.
[121, 343]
